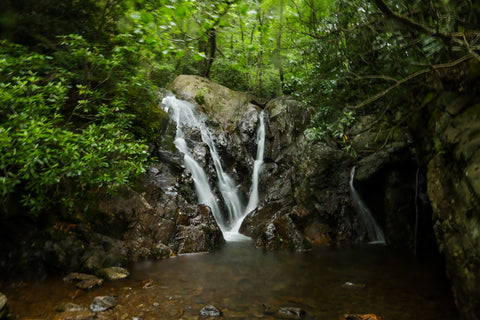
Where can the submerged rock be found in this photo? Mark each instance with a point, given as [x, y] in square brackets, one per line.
[354, 286]
[76, 315]
[83, 281]
[362, 317]
[290, 313]
[68, 307]
[284, 312]
[210, 311]
[102, 303]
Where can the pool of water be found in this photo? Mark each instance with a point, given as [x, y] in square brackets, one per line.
[239, 280]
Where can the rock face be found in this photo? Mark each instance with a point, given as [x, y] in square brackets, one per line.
[304, 195]
[454, 191]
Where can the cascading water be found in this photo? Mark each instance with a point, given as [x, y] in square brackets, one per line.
[253, 199]
[186, 117]
[373, 230]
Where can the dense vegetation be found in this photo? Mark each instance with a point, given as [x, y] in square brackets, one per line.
[79, 78]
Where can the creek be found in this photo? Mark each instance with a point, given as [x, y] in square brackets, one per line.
[238, 279]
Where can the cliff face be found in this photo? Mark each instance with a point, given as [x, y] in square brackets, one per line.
[454, 192]
[446, 131]
[304, 193]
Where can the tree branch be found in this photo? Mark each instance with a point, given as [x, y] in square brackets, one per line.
[410, 77]
[448, 37]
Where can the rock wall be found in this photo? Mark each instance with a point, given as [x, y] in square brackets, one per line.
[304, 190]
[454, 191]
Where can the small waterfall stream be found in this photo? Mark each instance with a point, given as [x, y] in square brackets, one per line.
[187, 118]
[374, 232]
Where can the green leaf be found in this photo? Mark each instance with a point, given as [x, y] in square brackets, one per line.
[181, 11]
[198, 56]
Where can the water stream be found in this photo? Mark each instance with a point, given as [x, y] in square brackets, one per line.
[187, 118]
[374, 232]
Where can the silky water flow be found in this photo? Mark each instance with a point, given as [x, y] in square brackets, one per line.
[188, 118]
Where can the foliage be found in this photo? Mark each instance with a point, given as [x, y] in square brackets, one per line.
[375, 51]
[60, 137]
[78, 97]
[336, 131]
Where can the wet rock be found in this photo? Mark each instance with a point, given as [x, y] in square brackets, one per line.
[210, 311]
[68, 307]
[76, 315]
[269, 309]
[103, 251]
[198, 231]
[284, 312]
[102, 303]
[113, 273]
[361, 317]
[83, 281]
[4, 313]
[290, 313]
[219, 102]
[354, 286]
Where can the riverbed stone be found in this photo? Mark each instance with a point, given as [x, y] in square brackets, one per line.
[210, 311]
[369, 316]
[290, 313]
[76, 315]
[4, 312]
[83, 281]
[69, 306]
[103, 303]
[113, 273]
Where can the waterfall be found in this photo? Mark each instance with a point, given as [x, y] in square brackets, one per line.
[188, 118]
[257, 165]
[373, 230]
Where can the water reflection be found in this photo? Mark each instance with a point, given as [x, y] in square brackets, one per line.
[239, 279]
[324, 282]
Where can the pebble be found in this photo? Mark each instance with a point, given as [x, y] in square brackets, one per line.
[210, 311]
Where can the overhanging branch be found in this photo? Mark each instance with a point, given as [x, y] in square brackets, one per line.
[411, 77]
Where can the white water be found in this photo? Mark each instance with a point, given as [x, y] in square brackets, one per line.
[373, 230]
[187, 119]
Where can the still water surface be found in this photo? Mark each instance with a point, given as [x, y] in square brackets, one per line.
[239, 279]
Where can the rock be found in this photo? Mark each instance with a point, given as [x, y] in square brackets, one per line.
[454, 193]
[269, 309]
[361, 317]
[351, 285]
[83, 281]
[102, 303]
[210, 311]
[76, 315]
[290, 313]
[113, 273]
[68, 307]
[219, 102]
[198, 231]
[284, 312]
[4, 312]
